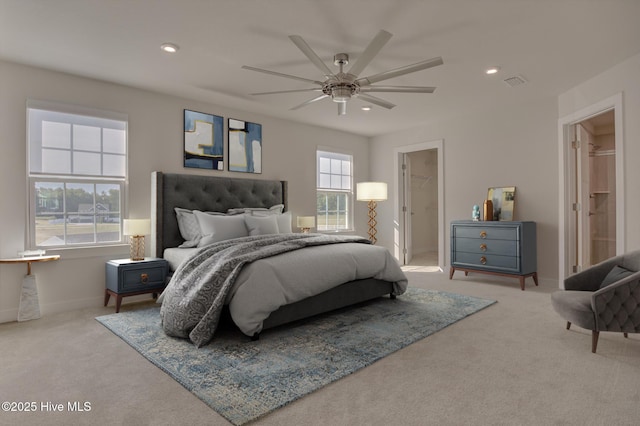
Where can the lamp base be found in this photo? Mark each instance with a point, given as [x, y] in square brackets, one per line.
[372, 222]
[136, 248]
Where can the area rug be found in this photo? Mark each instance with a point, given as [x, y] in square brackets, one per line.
[243, 380]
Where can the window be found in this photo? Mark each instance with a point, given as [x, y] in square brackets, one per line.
[77, 165]
[334, 191]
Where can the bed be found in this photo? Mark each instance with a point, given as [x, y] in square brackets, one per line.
[220, 194]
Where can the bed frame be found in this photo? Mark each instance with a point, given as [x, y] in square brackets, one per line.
[212, 193]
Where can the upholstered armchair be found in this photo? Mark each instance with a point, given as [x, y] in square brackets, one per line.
[604, 297]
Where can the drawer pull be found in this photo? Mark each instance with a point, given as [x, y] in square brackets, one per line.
[483, 247]
[483, 260]
[483, 234]
[144, 278]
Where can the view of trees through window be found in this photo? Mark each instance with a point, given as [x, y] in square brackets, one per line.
[76, 213]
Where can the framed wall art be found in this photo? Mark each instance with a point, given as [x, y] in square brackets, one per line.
[203, 140]
[245, 146]
[503, 199]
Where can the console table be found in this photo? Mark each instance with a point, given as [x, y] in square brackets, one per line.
[498, 248]
[29, 306]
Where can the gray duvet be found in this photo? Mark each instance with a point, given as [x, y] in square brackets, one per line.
[257, 275]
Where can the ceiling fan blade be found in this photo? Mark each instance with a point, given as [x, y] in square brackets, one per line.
[429, 63]
[370, 52]
[288, 91]
[310, 101]
[279, 74]
[398, 89]
[313, 57]
[376, 100]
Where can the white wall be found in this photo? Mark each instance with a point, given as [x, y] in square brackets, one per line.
[155, 143]
[623, 78]
[498, 146]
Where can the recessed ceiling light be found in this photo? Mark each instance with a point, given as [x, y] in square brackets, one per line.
[492, 70]
[366, 108]
[170, 47]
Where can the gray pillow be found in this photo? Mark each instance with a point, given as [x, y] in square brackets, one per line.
[189, 227]
[615, 275]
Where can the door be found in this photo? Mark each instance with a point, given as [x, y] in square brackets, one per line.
[406, 208]
[595, 203]
[582, 203]
[603, 120]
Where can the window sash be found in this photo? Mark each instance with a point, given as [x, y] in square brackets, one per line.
[334, 189]
[77, 175]
[81, 213]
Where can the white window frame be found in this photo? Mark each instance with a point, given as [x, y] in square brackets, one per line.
[332, 153]
[34, 176]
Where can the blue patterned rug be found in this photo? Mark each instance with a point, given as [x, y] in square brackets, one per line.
[243, 380]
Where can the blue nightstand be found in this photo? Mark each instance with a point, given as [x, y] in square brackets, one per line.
[126, 277]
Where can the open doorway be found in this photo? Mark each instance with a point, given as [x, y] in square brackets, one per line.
[419, 241]
[592, 201]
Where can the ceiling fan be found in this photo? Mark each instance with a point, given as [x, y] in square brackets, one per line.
[341, 87]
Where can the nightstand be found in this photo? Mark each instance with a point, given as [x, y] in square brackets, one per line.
[126, 277]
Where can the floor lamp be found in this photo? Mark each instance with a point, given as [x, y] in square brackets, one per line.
[372, 192]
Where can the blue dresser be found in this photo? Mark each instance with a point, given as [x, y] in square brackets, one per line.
[498, 248]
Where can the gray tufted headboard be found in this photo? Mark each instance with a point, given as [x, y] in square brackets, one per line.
[206, 193]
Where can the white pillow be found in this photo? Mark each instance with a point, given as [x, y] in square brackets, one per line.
[283, 220]
[277, 209]
[261, 225]
[284, 223]
[220, 228]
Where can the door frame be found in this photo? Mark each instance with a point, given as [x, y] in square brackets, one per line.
[398, 220]
[567, 192]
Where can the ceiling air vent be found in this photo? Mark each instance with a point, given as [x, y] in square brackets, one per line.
[514, 81]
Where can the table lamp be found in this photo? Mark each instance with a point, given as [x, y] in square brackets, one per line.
[305, 223]
[136, 229]
[372, 192]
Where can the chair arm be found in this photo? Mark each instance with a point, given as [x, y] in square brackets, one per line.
[617, 306]
[591, 278]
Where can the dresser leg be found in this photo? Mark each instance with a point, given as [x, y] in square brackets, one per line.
[118, 303]
[451, 271]
[535, 278]
[107, 296]
[522, 283]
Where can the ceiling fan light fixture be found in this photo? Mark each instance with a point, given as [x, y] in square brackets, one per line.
[340, 94]
[169, 47]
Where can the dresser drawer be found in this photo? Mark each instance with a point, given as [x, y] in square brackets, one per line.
[486, 233]
[486, 261]
[474, 245]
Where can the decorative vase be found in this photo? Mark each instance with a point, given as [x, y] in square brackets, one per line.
[488, 210]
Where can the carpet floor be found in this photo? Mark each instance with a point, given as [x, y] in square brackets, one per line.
[244, 380]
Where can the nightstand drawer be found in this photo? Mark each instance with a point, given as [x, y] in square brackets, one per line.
[136, 279]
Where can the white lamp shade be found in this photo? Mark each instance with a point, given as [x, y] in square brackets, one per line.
[136, 226]
[371, 191]
[306, 221]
